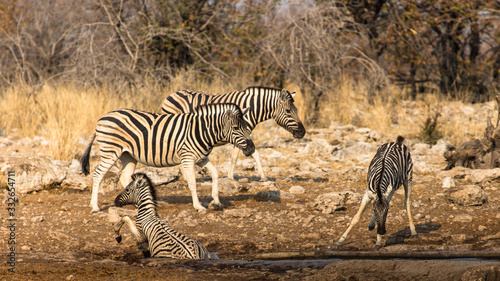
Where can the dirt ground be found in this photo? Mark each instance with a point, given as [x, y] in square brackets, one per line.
[58, 238]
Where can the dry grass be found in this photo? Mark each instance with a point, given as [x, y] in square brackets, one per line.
[66, 116]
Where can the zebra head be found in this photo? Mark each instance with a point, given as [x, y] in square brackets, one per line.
[237, 131]
[380, 209]
[138, 191]
[286, 115]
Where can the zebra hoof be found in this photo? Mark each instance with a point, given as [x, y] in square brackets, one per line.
[95, 210]
[118, 238]
[337, 245]
[263, 179]
[414, 235]
[378, 247]
[216, 207]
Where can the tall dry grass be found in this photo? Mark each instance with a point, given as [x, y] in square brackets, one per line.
[66, 116]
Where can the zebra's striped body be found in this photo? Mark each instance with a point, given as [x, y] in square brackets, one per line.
[389, 169]
[265, 104]
[163, 140]
[162, 240]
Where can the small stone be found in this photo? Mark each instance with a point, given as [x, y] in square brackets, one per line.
[448, 182]
[415, 204]
[38, 219]
[297, 189]
[481, 228]
[463, 218]
[70, 277]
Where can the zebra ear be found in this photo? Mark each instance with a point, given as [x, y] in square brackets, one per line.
[246, 110]
[286, 95]
[293, 94]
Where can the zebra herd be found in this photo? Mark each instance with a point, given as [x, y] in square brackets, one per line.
[189, 126]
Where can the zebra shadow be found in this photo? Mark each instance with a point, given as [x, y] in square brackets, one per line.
[400, 236]
[227, 201]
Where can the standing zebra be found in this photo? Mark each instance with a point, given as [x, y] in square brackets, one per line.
[164, 140]
[162, 240]
[391, 167]
[265, 103]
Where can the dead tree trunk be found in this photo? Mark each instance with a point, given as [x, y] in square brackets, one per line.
[478, 154]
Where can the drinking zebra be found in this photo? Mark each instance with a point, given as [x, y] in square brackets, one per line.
[265, 103]
[149, 229]
[391, 167]
[163, 140]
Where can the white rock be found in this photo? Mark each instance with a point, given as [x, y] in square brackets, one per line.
[334, 201]
[297, 189]
[32, 173]
[467, 195]
[448, 182]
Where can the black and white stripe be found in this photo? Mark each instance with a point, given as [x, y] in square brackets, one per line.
[163, 140]
[265, 104]
[389, 169]
[149, 229]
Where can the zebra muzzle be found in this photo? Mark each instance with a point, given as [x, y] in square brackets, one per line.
[249, 148]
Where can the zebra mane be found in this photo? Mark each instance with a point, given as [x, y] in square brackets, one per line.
[149, 183]
[210, 109]
[288, 96]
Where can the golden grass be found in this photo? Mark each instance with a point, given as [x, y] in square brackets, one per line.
[66, 115]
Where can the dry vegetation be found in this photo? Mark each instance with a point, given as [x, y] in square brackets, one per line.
[66, 115]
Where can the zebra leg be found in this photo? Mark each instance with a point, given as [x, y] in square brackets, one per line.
[107, 161]
[364, 203]
[138, 234]
[256, 156]
[215, 183]
[188, 171]
[234, 158]
[408, 187]
[128, 168]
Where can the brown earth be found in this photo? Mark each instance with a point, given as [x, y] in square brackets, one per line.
[58, 238]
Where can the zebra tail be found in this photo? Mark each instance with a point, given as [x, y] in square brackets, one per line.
[84, 161]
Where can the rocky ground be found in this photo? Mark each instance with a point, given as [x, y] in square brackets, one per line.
[314, 188]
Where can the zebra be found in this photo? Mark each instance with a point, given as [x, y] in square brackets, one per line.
[164, 140]
[389, 169]
[149, 229]
[266, 103]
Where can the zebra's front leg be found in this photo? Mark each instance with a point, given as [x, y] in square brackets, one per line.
[138, 234]
[188, 171]
[234, 159]
[256, 156]
[364, 203]
[216, 204]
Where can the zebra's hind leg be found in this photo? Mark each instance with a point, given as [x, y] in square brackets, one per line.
[216, 204]
[408, 186]
[108, 159]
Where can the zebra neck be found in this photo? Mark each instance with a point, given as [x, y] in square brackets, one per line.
[147, 207]
[263, 103]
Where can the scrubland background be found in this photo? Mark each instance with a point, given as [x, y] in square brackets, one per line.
[400, 67]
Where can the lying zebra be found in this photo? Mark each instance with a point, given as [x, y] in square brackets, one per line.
[162, 240]
[389, 169]
[165, 140]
